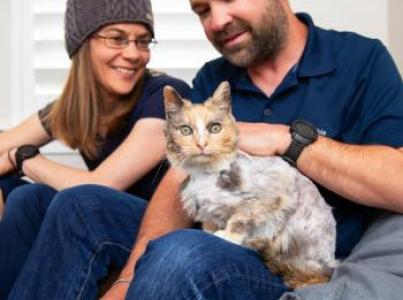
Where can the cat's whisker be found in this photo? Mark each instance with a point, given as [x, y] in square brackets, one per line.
[244, 154]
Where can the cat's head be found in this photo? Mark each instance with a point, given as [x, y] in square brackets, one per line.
[200, 136]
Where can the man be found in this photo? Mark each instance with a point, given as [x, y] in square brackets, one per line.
[282, 68]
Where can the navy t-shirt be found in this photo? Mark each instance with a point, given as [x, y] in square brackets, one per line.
[149, 105]
[346, 85]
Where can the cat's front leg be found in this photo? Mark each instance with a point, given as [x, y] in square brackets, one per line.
[236, 230]
[210, 227]
[233, 237]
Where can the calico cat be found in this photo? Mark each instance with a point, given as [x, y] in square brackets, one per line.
[258, 202]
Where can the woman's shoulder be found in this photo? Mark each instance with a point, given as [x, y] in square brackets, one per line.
[157, 80]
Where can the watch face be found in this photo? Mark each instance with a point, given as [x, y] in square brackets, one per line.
[27, 151]
[306, 130]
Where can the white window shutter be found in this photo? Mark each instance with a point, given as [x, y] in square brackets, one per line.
[181, 50]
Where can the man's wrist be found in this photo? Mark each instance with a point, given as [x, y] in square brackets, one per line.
[284, 141]
[302, 134]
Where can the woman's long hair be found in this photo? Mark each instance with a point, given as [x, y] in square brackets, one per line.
[78, 115]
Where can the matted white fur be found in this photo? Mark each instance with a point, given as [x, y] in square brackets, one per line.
[258, 202]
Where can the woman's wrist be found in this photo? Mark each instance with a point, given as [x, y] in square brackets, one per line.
[122, 280]
[11, 158]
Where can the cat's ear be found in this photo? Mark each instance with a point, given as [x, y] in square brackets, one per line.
[222, 96]
[173, 101]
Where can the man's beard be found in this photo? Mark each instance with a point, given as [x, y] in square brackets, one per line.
[268, 37]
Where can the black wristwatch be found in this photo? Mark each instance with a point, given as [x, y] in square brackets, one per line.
[303, 134]
[24, 152]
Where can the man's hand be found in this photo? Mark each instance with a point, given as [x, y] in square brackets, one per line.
[117, 291]
[263, 139]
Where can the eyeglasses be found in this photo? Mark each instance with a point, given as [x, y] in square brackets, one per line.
[121, 42]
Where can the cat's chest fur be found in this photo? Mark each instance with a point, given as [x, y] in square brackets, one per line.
[212, 196]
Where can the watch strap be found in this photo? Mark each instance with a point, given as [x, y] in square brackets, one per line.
[23, 153]
[293, 152]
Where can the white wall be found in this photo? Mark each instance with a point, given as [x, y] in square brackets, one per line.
[4, 63]
[367, 17]
[375, 18]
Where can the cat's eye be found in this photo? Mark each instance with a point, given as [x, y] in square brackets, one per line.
[215, 128]
[185, 130]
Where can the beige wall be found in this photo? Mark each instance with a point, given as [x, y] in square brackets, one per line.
[396, 31]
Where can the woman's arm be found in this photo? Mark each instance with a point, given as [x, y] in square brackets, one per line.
[142, 150]
[30, 131]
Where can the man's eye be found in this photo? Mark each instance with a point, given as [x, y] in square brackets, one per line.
[200, 11]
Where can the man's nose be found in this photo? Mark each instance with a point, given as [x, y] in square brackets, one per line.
[219, 18]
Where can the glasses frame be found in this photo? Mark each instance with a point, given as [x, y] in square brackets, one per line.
[126, 42]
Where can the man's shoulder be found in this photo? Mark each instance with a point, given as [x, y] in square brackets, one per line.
[218, 67]
[348, 40]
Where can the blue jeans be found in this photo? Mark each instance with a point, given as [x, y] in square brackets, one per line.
[192, 264]
[25, 209]
[62, 243]
[8, 183]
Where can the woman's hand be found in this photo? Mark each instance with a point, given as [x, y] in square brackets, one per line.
[5, 164]
[117, 291]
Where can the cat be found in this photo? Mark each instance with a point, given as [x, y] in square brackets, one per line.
[259, 202]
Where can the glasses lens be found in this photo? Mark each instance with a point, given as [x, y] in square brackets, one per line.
[152, 44]
[116, 41]
[143, 44]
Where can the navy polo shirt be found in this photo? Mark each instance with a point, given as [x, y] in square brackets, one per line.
[149, 105]
[346, 85]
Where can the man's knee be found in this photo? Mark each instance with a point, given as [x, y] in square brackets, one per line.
[190, 251]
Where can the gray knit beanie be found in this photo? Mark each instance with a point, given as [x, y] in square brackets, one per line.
[84, 17]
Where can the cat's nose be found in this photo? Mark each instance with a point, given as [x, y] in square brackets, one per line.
[201, 146]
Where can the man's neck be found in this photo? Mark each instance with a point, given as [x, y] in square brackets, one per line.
[269, 74]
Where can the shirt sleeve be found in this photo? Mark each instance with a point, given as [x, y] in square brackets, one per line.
[380, 93]
[43, 117]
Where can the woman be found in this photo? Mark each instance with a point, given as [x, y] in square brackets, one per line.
[111, 110]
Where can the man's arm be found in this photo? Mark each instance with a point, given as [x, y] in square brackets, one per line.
[163, 215]
[369, 175]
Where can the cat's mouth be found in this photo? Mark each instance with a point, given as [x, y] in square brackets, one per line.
[203, 155]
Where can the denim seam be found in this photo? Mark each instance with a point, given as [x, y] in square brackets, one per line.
[93, 257]
[256, 279]
[99, 248]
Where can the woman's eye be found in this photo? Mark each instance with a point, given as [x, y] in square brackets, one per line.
[117, 39]
[215, 128]
[185, 130]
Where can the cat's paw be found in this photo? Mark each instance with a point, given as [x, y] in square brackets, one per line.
[232, 237]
